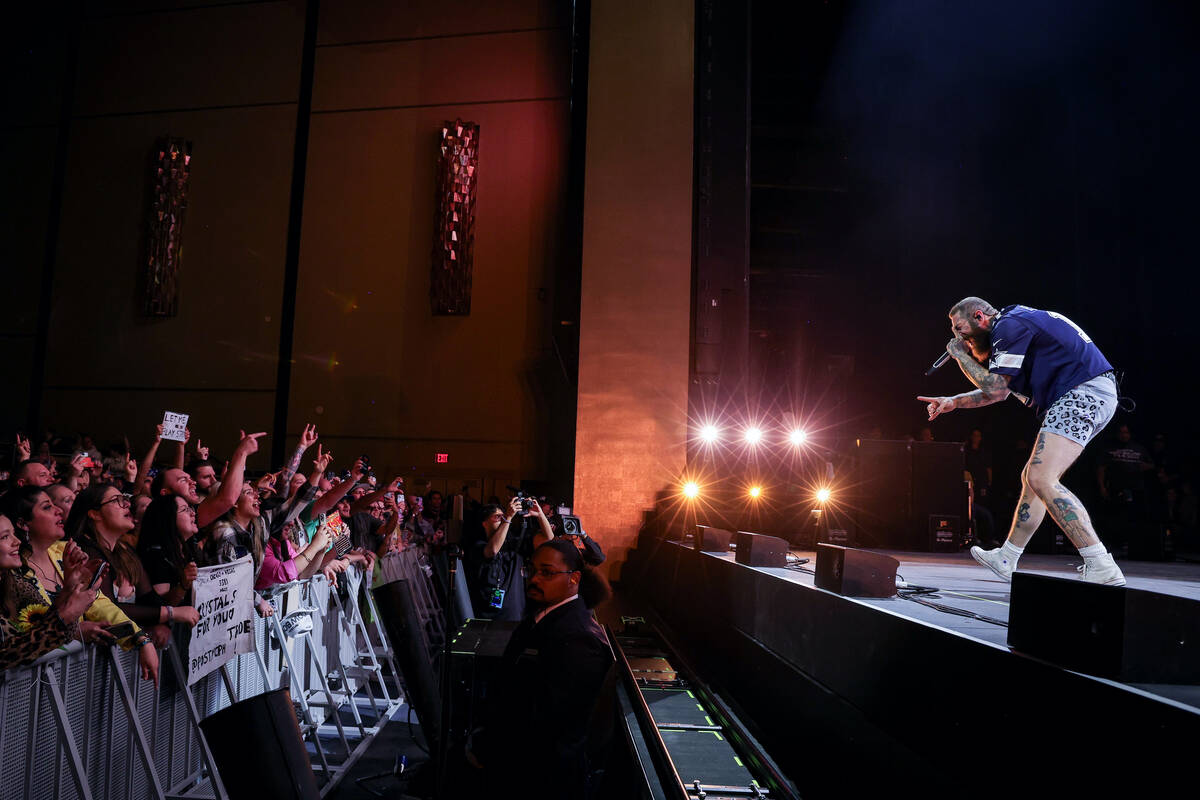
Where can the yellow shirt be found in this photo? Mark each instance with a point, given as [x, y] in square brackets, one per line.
[101, 610]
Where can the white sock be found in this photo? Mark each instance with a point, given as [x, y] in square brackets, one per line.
[1011, 552]
[1093, 551]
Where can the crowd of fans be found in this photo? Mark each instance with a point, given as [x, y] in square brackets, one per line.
[104, 548]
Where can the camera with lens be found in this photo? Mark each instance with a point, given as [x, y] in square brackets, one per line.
[527, 503]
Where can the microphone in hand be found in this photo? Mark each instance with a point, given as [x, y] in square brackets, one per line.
[942, 359]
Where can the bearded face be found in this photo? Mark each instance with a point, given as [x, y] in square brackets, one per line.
[977, 338]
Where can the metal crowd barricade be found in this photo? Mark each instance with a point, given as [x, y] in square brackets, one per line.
[81, 723]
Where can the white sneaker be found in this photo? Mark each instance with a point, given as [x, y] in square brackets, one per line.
[1102, 569]
[995, 561]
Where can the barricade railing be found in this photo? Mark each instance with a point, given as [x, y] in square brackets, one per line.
[81, 723]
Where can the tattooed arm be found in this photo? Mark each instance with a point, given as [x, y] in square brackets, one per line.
[307, 439]
[992, 387]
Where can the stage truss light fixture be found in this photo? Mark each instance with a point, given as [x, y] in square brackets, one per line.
[710, 434]
[753, 435]
[691, 490]
[798, 437]
[823, 495]
[755, 492]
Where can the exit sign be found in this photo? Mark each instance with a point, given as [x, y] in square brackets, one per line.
[441, 458]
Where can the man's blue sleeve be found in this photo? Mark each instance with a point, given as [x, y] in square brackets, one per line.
[1010, 342]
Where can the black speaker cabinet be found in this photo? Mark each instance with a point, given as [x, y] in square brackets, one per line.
[760, 550]
[855, 573]
[712, 540]
[946, 533]
[400, 609]
[884, 494]
[938, 487]
[264, 725]
[1116, 632]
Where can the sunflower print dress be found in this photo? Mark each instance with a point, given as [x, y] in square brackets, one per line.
[35, 629]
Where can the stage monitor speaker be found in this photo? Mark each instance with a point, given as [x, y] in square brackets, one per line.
[1117, 632]
[403, 615]
[760, 550]
[264, 725]
[712, 540]
[855, 573]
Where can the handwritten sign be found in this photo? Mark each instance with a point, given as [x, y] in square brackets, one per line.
[174, 425]
[224, 597]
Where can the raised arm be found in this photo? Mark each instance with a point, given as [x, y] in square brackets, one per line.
[147, 462]
[547, 531]
[71, 472]
[496, 541]
[181, 453]
[388, 531]
[307, 439]
[231, 485]
[364, 503]
[334, 495]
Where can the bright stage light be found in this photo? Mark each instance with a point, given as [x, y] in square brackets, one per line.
[798, 437]
[753, 436]
[823, 495]
[691, 490]
[710, 434]
[755, 492]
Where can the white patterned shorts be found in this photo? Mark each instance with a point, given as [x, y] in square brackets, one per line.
[1083, 412]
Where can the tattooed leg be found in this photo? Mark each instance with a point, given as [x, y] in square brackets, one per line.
[1026, 519]
[1052, 455]
[1038, 449]
[1072, 517]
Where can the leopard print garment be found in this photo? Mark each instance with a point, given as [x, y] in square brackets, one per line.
[17, 647]
[1083, 412]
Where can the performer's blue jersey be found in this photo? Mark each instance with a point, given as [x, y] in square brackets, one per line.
[1045, 354]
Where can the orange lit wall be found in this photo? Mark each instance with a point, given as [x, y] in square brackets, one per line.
[634, 320]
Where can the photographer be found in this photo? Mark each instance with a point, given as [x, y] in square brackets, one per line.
[588, 547]
[507, 542]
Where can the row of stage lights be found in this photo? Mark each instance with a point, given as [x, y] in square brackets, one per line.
[753, 435]
[691, 490]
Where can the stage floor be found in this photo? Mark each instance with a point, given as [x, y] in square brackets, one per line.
[964, 585]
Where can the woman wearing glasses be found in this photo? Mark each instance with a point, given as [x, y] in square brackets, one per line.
[99, 519]
[39, 525]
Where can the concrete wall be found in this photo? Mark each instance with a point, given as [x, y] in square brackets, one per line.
[637, 266]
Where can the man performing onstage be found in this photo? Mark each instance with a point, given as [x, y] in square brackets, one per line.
[1049, 363]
